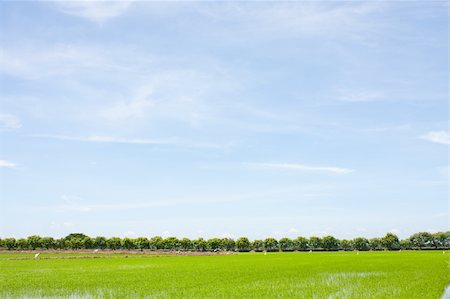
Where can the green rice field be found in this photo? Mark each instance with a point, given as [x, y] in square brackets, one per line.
[404, 274]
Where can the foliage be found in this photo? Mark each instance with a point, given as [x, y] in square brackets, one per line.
[243, 244]
[315, 243]
[361, 244]
[330, 243]
[286, 244]
[421, 240]
[390, 242]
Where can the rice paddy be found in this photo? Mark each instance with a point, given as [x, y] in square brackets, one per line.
[404, 274]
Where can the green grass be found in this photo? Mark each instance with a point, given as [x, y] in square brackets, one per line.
[249, 275]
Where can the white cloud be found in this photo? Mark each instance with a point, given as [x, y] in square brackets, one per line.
[58, 61]
[69, 198]
[441, 137]
[8, 121]
[329, 169]
[7, 164]
[176, 95]
[109, 139]
[94, 11]
[298, 18]
[361, 96]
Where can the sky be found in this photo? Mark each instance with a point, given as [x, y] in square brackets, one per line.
[224, 119]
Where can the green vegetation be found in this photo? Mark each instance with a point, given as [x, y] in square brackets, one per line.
[374, 274]
[423, 240]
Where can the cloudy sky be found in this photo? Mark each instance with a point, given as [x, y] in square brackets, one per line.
[223, 119]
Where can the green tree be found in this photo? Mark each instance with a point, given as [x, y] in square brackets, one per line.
[34, 242]
[441, 240]
[186, 244]
[141, 243]
[9, 243]
[156, 243]
[113, 243]
[127, 243]
[214, 244]
[390, 242]
[171, 243]
[315, 243]
[301, 244]
[375, 244]
[286, 244]
[270, 244]
[421, 240]
[361, 244]
[258, 245]
[228, 244]
[405, 244]
[99, 242]
[346, 245]
[60, 243]
[48, 243]
[330, 243]
[22, 244]
[243, 244]
[200, 244]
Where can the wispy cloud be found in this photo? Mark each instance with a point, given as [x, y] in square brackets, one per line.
[94, 11]
[441, 137]
[297, 18]
[8, 122]
[108, 139]
[69, 198]
[326, 169]
[174, 141]
[7, 164]
[360, 96]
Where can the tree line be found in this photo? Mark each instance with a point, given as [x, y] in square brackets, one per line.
[418, 241]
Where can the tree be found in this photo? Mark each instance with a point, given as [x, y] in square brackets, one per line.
[171, 243]
[75, 235]
[200, 244]
[270, 244]
[330, 243]
[405, 244]
[346, 245]
[258, 245]
[286, 244]
[77, 241]
[375, 244]
[441, 240]
[228, 244]
[315, 243]
[9, 243]
[361, 244]
[301, 244]
[60, 243]
[390, 242]
[113, 243]
[127, 243]
[34, 242]
[186, 244]
[214, 244]
[48, 243]
[99, 242]
[141, 243]
[421, 240]
[156, 243]
[243, 244]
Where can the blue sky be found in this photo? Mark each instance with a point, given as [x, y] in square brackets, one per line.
[223, 118]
